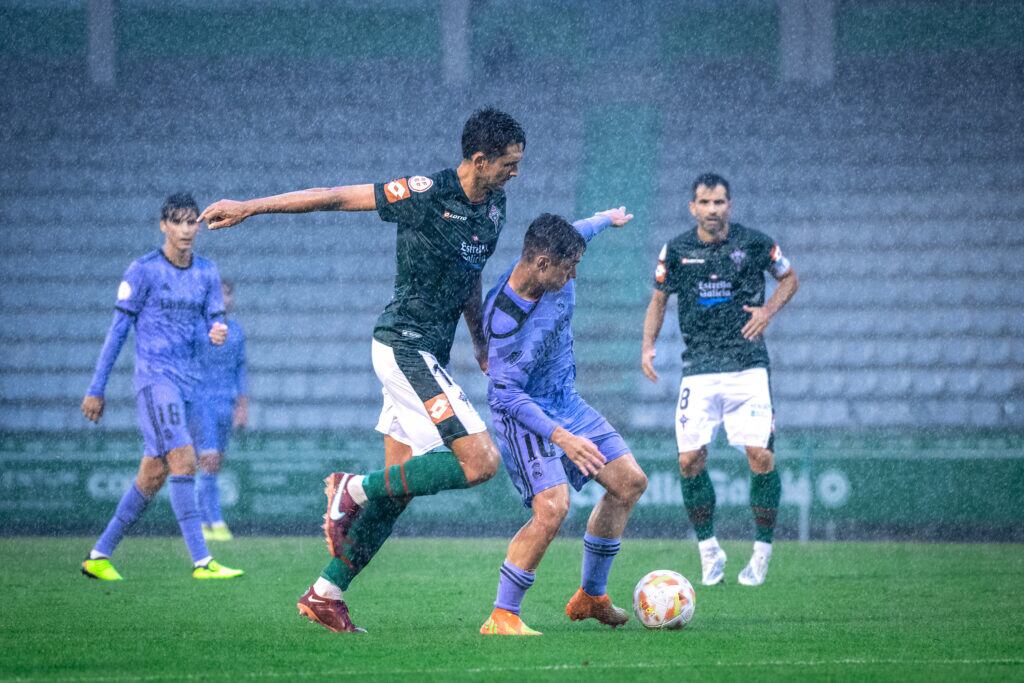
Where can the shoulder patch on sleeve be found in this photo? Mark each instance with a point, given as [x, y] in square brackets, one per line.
[396, 190]
[660, 270]
[124, 291]
[420, 183]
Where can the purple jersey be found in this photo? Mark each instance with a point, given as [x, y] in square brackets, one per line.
[530, 349]
[172, 310]
[223, 367]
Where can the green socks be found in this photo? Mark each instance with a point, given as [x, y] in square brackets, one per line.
[368, 533]
[425, 475]
[765, 493]
[699, 498]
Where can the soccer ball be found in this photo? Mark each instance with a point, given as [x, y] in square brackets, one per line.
[664, 599]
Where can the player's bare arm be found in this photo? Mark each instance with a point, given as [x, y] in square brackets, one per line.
[618, 216]
[228, 212]
[580, 450]
[472, 313]
[240, 416]
[653, 321]
[92, 408]
[218, 334]
[760, 316]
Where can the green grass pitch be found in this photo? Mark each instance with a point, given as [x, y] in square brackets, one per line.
[853, 611]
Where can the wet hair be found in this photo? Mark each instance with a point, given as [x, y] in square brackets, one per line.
[553, 235]
[490, 131]
[710, 181]
[176, 204]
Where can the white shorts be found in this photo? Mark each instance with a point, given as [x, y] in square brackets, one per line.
[423, 406]
[740, 399]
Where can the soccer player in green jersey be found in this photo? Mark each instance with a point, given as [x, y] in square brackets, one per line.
[716, 270]
[448, 226]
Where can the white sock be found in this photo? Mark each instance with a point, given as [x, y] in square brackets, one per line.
[355, 489]
[96, 555]
[707, 544]
[203, 562]
[761, 548]
[326, 589]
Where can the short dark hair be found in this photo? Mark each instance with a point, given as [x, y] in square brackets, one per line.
[176, 204]
[490, 131]
[710, 181]
[553, 235]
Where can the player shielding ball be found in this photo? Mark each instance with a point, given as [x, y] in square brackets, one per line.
[716, 271]
[172, 297]
[448, 226]
[223, 407]
[548, 435]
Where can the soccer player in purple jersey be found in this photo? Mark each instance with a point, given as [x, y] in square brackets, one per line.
[223, 406]
[166, 296]
[547, 434]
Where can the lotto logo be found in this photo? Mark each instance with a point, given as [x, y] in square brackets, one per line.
[396, 190]
[660, 272]
[439, 408]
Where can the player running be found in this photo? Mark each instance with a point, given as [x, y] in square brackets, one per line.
[717, 272]
[171, 297]
[549, 437]
[448, 226]
[223, 406]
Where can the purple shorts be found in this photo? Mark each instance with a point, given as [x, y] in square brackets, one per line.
[214, 416]
[535, 464]
[165, 418]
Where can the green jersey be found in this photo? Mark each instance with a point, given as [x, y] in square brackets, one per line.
[444, 241]
[712, 283]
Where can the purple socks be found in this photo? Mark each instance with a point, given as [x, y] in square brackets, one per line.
[131, 507]
[208, 498]
[598, 554]
[183, 501]
[513, 583]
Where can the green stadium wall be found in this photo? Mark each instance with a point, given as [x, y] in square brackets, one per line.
[928, 486]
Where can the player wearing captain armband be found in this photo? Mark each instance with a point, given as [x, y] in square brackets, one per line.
[548, 436]
[716, 271]
[172, 298]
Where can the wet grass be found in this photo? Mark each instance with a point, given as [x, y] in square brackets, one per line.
[856, 611]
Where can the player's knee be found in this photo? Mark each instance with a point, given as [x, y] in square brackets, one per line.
[630, 487]
[209, 463]
[691, 463]
[182, 461]
[481, 462]
[550, 511]
[761, 460]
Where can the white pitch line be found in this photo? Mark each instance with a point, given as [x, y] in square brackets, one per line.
[575, 666]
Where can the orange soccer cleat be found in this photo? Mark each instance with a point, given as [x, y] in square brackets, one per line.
[505, 623]
[585, 606]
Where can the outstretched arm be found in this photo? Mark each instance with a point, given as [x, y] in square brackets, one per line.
[92, 404]
[760, 316]
[652, 328]
[589, 228]
[227, 212]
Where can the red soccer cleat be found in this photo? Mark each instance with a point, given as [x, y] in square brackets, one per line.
[331, 614]
[342, 511]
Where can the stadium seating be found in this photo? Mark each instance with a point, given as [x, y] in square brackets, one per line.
[900, 208]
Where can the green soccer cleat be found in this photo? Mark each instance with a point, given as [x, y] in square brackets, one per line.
[100, 569]
[217, 532]
[215, 570]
